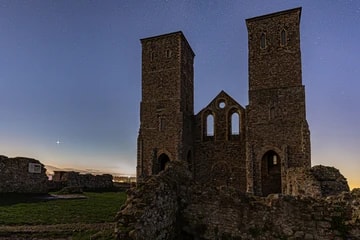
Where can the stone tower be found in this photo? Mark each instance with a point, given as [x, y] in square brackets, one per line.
[167, 103]
[278, 136]
[253, 149]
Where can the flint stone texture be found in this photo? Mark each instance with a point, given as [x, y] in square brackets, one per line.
[332, 182]
[17, 177]
[153, 209]
[169, 206]
[319, 181]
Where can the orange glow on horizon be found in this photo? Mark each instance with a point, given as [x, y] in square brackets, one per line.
[353, 184]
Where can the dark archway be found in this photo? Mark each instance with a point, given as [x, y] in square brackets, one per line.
[270, 173]
[163, 161]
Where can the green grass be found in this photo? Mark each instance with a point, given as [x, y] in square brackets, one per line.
[25, 210]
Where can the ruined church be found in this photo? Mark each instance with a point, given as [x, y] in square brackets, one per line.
[250, 148]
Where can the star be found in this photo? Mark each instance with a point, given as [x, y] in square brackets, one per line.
[58, 142]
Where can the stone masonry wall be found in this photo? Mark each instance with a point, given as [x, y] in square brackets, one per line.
[166, 107]
[331, 181]
[87, 182]
[168, 206]
[17, 175]
[319, 181]
[220, 158]
[152, 210]
[301, 182]
[274, 65]
[276, 114]
[226, 215]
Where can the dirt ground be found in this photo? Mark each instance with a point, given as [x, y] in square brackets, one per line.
[58, 231]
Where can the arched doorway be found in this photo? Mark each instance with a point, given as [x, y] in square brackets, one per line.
[270, 173]
[163, 161]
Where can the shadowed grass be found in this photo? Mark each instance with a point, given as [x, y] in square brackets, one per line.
[27, 210]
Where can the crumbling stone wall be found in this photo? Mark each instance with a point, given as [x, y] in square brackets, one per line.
[331, 181]
[227, 215]
[153, 209]
[171, 206]
[18, 176]
[319, 181]
[302, 183]
[87, 182]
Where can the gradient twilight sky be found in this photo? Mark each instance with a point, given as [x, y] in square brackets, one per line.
[70, 72]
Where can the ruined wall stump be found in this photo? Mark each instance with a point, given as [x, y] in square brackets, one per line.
[22, 175]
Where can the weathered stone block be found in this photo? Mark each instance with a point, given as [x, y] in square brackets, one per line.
[22, 175]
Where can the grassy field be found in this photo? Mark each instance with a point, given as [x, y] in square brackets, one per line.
[17, 211]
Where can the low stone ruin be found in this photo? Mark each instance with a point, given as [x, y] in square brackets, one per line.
[226, 214]
[153, 209]
[331, 181]
[22, 175]
[319, 181]
[87, 182]
[170, 206]
[27, 175]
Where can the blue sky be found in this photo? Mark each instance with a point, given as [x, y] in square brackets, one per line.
[70, 71]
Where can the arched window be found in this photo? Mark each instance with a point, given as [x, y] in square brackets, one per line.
[168, 53]
[274, 160]
[272, 113]
[283, 37]
[263, 41]
[235, 123]
[210, 125]
[161, 123]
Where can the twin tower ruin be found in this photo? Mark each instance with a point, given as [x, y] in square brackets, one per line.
[250, 148]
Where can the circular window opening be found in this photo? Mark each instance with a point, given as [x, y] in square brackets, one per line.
[222, 104]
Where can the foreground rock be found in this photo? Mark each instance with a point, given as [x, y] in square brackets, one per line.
[170, 206]
[22, 175]
[153, 210]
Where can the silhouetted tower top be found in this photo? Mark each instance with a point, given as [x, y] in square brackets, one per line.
[164, 54]
[274, 46]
